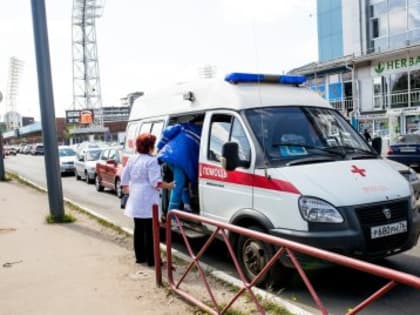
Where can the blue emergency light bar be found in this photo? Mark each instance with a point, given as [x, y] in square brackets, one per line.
[237, 77]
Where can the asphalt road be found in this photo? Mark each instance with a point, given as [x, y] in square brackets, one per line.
[338, 288]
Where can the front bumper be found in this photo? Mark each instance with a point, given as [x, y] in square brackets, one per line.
[352, 238]
[67, 168]
[91, 174]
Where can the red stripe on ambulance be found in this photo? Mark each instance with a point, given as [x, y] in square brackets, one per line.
[207, 171]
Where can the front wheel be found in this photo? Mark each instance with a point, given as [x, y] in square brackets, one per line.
[98, 185]
[253, 255]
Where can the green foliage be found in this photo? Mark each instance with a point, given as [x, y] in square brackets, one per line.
[67, 218]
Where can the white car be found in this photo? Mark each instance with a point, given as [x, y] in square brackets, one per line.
[85, 165]
[67, 157]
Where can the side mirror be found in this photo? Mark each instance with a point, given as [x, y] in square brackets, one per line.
[230, 156]
[377, 144]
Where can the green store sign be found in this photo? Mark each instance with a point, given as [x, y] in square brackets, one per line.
[396, 64]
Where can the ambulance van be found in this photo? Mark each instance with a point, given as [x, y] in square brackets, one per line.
[276, 157]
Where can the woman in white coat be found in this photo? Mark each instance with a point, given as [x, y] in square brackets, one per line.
[142, 178]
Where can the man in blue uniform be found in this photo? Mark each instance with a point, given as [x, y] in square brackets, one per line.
[179, 148]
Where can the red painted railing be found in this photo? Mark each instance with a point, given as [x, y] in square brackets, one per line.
[284, 246]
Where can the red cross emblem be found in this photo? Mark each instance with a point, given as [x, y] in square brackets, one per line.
[357, 170]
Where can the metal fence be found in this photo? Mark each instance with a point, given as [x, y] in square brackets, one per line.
[284, 247]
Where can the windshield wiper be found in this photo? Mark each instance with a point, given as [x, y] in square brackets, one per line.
[310, 147]
[362, 152]
[311, 159]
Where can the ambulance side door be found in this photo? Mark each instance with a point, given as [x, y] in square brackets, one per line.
[223, 193]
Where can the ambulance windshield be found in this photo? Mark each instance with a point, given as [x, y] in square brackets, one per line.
[296, 132]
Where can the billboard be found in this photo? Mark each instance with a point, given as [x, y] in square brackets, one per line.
[79, 117]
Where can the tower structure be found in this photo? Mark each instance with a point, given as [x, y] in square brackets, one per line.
[12, 118]
[86, 79]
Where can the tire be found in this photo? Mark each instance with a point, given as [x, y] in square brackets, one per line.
[98, 185]
[118, 190]
[77, 175]
[87, 180]
[253, 255]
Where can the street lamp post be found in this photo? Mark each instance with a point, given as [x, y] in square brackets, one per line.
[2, 172]
[46, 101]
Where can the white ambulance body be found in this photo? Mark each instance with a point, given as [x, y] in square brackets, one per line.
[298, 169]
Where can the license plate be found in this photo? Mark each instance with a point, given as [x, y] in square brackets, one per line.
[408, 149]
[388, 229]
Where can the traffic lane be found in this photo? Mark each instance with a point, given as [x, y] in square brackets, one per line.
[353, 286]
[104, 203]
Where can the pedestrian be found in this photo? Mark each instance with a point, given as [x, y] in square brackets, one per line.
[142, 178]
[179, 149]
[367, 136]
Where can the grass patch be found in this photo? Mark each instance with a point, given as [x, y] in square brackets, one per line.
[67, 218]
[6, 178]
[268, 306]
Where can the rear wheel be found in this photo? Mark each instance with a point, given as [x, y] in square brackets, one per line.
[253, 255]
[98, 184]
[118, 189]
[77, 175]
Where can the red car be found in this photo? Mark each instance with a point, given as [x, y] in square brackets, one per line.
[108, 171]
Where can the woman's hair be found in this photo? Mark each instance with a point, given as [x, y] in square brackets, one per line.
[145, 142]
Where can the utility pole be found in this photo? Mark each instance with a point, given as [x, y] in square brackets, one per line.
[46, 102]
[2, 173]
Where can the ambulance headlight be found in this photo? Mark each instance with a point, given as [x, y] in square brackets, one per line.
[316, 210]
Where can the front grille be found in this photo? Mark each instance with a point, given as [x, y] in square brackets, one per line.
[373, 215]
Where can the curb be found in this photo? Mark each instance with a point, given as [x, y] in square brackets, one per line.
[217, 274]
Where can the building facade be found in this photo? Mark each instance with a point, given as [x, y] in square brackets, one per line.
[369, 63]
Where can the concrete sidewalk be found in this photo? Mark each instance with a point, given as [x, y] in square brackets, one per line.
[77, 268]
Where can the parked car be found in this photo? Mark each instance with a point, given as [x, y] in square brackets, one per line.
[108, 171]
[10, 150]
[86, 145]
[37, 149]
[409, 174]
[27, 149]
[67, 157]
[405, 149]
[85, 165]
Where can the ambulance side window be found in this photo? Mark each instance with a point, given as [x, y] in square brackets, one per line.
[131, 137]
[219, 134]
[145, 127]
[157, 129]
[225, 128]
[238, 135]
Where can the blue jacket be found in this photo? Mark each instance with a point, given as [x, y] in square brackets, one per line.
[180, 146]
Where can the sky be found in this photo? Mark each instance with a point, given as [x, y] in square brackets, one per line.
[148, 45]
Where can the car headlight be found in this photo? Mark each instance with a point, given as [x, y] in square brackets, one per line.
[412, 177]
[316, 210]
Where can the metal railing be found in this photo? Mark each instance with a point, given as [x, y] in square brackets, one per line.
[285, 247]
[402, 98]
[342, 105]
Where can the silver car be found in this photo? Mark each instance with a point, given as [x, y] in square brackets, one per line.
[85, 165]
